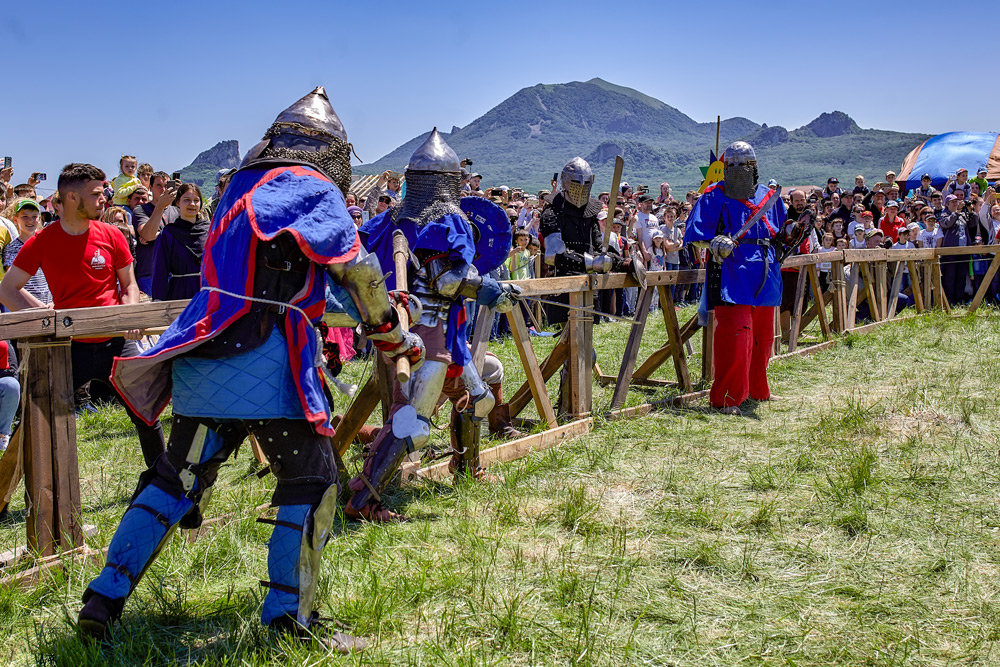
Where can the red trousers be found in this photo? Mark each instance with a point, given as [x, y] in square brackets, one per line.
[744, 339]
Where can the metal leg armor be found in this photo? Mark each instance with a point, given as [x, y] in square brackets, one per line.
[294, 557]
[406, 430]
[166, 495]
[466, 426]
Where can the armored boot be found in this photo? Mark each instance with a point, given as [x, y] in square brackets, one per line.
[405, 432]
[146, 526]
[293, 565]
[499, 417]
[466, 435]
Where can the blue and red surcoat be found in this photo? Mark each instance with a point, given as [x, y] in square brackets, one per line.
[743, 272]
[257, 205]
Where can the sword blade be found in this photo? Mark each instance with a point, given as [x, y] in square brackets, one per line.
[755, 218]
[616, 181]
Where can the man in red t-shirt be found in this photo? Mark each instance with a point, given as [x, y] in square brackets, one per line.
[891, 222]
[86, 263]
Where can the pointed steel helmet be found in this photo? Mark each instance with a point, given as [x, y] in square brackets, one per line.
[434, 155]
[311, 116]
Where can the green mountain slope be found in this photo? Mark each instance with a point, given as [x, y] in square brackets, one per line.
[531, 134]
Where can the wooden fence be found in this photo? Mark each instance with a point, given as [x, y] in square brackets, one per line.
[44, 452]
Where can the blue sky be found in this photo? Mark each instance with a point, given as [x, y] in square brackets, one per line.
[165, 81]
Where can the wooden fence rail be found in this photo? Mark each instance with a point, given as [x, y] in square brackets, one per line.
[44, 449]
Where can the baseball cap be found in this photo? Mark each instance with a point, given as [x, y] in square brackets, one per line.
[772, 183]
[924, 175]
[930, 216]
[949, 198]
[959, 171]
[893, 203]
[981, 170]
[656, 234]
[873, 232]
[475, 175]
[913, 226]
[867, 214]
[603, 215]
[354, 210]
[27, 203]
[832, 179]
[644, 197]
[890, 173]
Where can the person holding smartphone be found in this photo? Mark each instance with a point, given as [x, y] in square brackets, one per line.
[148, 219]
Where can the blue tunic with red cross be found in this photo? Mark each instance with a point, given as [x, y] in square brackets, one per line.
[259, 204]
[745, 279]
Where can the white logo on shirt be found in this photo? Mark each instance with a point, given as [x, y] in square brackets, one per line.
[97, 261]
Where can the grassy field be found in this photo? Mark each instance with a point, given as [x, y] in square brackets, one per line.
[853, 521]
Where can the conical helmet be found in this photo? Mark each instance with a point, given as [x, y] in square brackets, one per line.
[433, 182]
[310, 132]
[311, 116]
[434, 155]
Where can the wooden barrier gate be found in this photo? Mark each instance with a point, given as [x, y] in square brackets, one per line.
[44, 448]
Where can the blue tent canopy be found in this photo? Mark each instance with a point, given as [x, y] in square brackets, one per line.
[944, 154]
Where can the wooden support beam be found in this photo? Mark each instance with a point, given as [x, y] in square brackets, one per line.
[984, 287]
[819, 299]
[632, 347]
[112, 319]
[839, 287]
[553, 362]
[795, 324]
[357, 414]
[851, 310]
[514, 449]
[866, 276]
[674, 337]
[385, 376]
[881, 286]
[522, 341]
[580, 363]
[897, 285]
[27, 323]
[918, 295]
[941, 297]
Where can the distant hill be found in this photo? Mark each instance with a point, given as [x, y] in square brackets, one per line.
[533, 133]
[205, 168]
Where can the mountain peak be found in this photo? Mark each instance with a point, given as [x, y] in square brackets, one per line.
[833, 124]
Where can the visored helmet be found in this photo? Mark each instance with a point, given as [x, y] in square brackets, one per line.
[576, 181]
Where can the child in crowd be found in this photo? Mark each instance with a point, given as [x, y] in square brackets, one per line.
[128, 165]
[837, 227]
[828, 245]
[519, 258]
[858, 240]
[842, 244]
[932, 236]
[27, 216]
[534, 247]
[658, 253]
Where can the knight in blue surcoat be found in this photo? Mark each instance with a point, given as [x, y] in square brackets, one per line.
[244, 359]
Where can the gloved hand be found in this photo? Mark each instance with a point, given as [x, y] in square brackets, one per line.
[509, 294]
[390, 339]
[722, 246]
[496, 295]
[412, 304]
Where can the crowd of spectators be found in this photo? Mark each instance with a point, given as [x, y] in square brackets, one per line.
[164, 223]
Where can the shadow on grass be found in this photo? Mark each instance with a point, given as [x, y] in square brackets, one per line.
[162, 628]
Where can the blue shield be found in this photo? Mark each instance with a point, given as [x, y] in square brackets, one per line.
[493, 233]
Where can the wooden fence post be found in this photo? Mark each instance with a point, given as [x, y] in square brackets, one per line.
[51, 467]
[581, 351]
